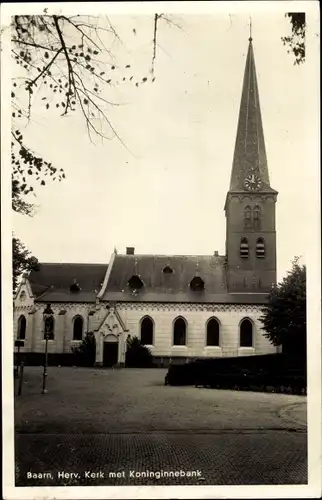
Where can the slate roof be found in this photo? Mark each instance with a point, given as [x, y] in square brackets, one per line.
[250, 153]
[173, 287]
[51, 283]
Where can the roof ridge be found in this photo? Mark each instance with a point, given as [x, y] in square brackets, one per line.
[72, 264]
[166, 255]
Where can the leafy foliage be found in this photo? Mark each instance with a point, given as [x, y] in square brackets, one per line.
[296, 42]
[85, 353]
[137, 354]
[23, 261]
[65, 63]
[284, 318]
[26, 163]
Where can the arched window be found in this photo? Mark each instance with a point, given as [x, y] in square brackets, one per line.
[247, 216]
[23, 296]
[179, 332]
[167, 270]
[246, 333]
[78, 328]
[213, 332]
[260, 248]
[147, 331]
[244, 249]
[49, 327]
[257, 217]
[22, 324]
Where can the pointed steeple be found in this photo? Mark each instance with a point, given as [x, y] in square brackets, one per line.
[250, 162]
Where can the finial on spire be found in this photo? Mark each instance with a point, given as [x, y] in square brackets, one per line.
[250, 29]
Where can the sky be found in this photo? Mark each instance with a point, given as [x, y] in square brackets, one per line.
[164, 191]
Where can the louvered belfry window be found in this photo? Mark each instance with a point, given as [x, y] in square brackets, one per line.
[260, 248]
[244, 248]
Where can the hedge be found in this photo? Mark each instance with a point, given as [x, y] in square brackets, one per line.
[275, 372]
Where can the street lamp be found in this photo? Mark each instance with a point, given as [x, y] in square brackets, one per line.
[18, 343]
[48, 316]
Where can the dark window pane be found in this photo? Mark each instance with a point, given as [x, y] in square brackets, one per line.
[22, 323]
[78, 328]
[246, 333]
[147, 331]
[179, 332]
[213, 332]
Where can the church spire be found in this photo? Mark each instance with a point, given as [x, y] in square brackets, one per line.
[250, 162]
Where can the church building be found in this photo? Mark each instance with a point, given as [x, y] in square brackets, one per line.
[181, 306]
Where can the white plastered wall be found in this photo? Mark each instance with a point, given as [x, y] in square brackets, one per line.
[196, 317]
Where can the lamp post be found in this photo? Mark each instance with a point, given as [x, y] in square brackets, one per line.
[47, 314]
[18, 343]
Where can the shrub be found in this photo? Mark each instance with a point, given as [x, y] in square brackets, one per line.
[85, 353]
[137, 354]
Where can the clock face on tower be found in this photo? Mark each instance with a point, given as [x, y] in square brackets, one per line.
[252, 182]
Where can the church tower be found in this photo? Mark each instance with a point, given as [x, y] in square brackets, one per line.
[250, 201]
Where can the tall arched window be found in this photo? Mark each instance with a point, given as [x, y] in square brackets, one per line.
[248, 216]
[246, 333]
[244, 249]
[147, 331]
[260, 248]
[257, 217]
[213, 332]
[78, 328]
[49, 327]
[22, 324]
[179, 332]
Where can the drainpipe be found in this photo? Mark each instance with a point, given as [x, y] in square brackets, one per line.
[123, 344]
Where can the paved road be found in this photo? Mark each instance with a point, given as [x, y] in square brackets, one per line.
[127, 422]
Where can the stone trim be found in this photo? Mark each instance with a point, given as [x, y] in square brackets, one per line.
[150, 306]
[259, 196]
[24, 308]
[213, 308]
[63, 305]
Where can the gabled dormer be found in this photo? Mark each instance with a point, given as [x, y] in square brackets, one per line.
[135, 283]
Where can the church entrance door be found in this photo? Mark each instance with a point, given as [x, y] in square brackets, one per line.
[110, 353]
